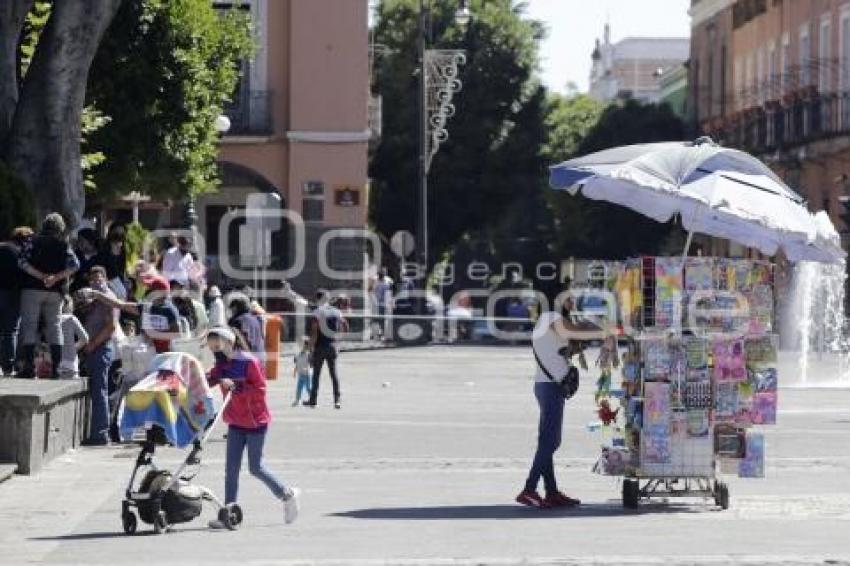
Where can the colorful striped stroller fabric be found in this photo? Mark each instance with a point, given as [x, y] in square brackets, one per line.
[174, 395]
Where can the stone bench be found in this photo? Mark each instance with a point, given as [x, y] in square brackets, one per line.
[40, 419]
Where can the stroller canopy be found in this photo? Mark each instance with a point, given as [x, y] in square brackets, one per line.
[174, 396]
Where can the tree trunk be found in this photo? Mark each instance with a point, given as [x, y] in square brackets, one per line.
[44, 146]
[13, 15]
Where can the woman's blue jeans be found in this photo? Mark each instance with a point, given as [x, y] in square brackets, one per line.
[237, 440]
[551, 402]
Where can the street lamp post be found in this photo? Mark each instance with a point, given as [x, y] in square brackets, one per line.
[190, 215]
[438, 82]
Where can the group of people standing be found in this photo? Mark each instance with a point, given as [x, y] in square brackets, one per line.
[81, 300]
[68, 305]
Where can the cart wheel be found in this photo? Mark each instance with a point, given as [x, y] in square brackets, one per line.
[721, 495]
[160, 523]
[631, 494]
[230, 516]
[129, 521]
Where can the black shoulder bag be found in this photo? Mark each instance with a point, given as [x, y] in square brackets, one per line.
[568, 383]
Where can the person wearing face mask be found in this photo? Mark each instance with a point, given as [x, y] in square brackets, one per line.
[551, 347]
[248, 325]
[100, 324]
[113, 257]
[248, 417]
[85, 248]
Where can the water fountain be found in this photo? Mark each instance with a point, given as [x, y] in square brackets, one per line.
[815, 346]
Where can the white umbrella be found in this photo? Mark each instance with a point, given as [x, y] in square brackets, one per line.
[716, 191]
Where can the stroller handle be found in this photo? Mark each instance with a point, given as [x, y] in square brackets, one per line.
[212, 424]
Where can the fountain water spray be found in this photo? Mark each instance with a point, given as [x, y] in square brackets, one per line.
[813, 324]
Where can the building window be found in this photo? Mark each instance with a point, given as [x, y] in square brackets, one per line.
[825, 55]
[696, 90]
[313, 210]
[249, 109]
[749, 80]
[313, 201]
[805, 56]
[346, 254]
[711, 93]
[785, 62]
[845, 50]
[738, 84]
[844, 57]
[723, 93]
[771, 70]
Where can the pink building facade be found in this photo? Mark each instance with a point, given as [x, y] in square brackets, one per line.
[298, 129]
[773, 77]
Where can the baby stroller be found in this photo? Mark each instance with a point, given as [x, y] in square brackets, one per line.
[173, 405]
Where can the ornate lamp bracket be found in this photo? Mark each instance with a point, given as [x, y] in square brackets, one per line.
[441, 83]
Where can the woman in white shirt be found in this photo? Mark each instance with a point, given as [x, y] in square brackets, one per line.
[552, 333]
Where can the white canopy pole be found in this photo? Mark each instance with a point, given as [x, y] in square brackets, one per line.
[687, 246]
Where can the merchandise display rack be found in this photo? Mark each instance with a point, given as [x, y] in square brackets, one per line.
[691, 398]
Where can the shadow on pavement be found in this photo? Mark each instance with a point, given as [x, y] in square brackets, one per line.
[508, 512]
[114, 534]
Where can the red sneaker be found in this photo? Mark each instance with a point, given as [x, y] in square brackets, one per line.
[531, 499]
[558, 499]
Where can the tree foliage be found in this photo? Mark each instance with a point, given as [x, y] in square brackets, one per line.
[163, 73]
[588, 228]
[568, 121]
[492, 160]
[140, 97]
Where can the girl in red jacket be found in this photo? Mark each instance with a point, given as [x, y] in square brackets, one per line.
[248, 418]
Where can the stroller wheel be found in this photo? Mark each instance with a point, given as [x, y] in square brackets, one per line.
[160, 523]
[236, 513]
[230, 516]
[130, 522]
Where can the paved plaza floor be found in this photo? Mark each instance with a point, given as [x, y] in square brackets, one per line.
[421, 466]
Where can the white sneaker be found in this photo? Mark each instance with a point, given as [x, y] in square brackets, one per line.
[291, 505]
[216, 525]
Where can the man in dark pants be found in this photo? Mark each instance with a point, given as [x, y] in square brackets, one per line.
[47, 261]
[326, 323]
[10, 298]
[100, 323]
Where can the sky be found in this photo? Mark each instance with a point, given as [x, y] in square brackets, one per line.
[574, 25]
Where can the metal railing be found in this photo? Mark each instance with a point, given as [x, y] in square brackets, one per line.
[251, 114]
[785, 124]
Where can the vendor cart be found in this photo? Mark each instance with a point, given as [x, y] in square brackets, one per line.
[700, 375]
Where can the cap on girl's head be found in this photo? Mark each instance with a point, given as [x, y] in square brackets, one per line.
[222, 332]
[155, 283]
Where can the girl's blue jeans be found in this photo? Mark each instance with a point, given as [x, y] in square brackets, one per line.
[303, 385]
[237, 440]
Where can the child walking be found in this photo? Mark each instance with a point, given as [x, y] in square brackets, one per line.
[74, 338]
[248, 418]
[302, 371]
